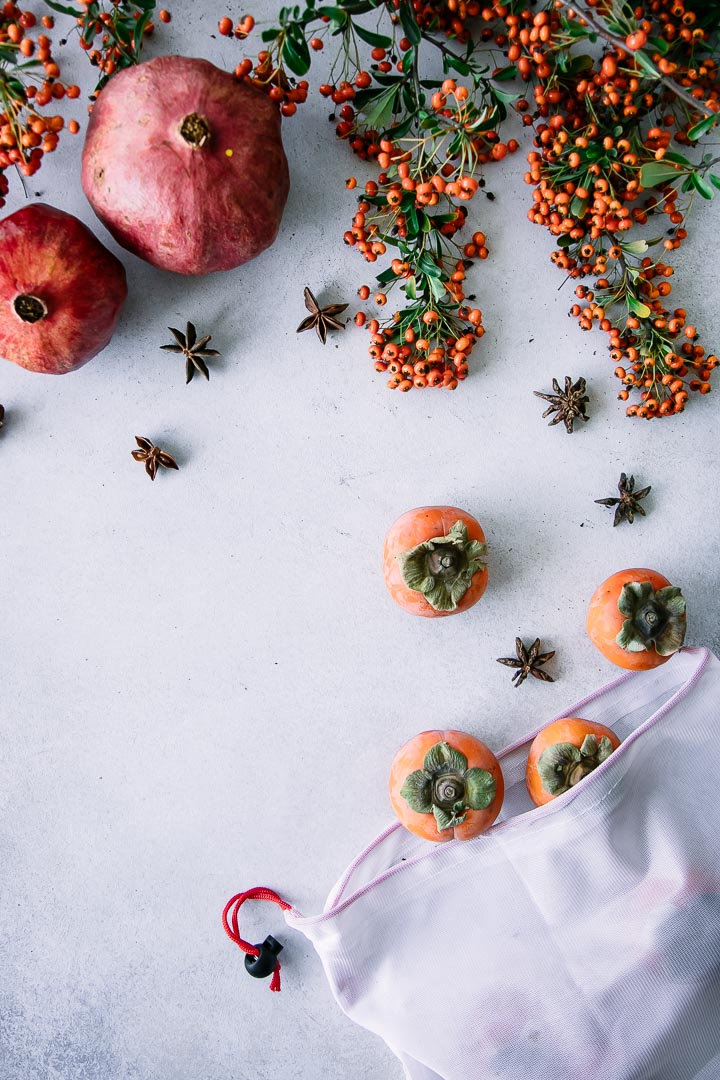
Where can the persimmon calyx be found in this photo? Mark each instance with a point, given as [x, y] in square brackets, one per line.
[446, 788]
[563, 765]
[442, 568]
[651, 618]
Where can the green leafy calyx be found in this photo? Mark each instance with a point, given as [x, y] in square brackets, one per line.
[652, 618]
[446, 788]
[442, 568]
[563, 765]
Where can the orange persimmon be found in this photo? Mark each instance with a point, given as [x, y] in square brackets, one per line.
[433, 561]
[446, 785]
[563, 753]
[637, 619]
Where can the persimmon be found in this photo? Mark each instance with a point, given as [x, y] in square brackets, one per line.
[433, 561]
[637, 619]
[446, 785]
[563, 753]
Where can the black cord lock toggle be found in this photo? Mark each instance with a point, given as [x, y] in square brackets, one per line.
[263, 964]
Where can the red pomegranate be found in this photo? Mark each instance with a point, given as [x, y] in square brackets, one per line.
[61, 290]
[184, 164]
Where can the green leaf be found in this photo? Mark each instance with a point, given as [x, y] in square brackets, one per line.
[398, 130]
[636, 247]
[437, 288]
[378, 41]
[386, 276]
[715, 181]
[381, 113]
[505, 74]
[564, 241]
[431, 268]
[700, 184]
[409, 23]
[62, 8]
[578, 206]
[387, 80]
[647, 66]
[363, 97]
[578, 64]
[659, 45]
[703, 126]
[455, 63]
[417, 791]
[411, 221]
[638, 308]
[139, 30]
[410, 288]
[442, 757]
[504, 95]
[480, 788]
[335, 14]
[408, 59]
[655, 173]
[16, 88]
[296, 53]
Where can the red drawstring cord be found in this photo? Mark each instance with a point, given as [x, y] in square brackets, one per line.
[230, 924]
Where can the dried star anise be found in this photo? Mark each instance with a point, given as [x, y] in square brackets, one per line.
[628, 505]
[528, 662]
[569, 404]
[321, 319]
[153, 457]
[193, 350]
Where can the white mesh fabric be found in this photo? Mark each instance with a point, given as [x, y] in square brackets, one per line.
[577, 941]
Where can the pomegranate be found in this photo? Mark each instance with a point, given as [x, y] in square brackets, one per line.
[184, 164]
[61, 290]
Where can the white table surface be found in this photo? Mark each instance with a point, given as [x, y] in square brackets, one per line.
[204, 680]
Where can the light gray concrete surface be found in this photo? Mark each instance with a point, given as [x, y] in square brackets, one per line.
[204, 680]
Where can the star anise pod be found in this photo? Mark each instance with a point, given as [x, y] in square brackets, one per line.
[628, 505]
[569, 404]
[153, 457]
[194, 351]
[528, 662]
[321, 319]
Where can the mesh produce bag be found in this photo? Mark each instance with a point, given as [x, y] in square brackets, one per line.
[575, 941]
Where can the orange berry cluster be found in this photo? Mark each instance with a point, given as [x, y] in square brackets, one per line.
[26, 135]
[644, 347]
[274, 81]
[454, 108]
[423, 346]
[601, 131]
[267, 73]
[614, 91]
[428, 343]
[110, 35]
